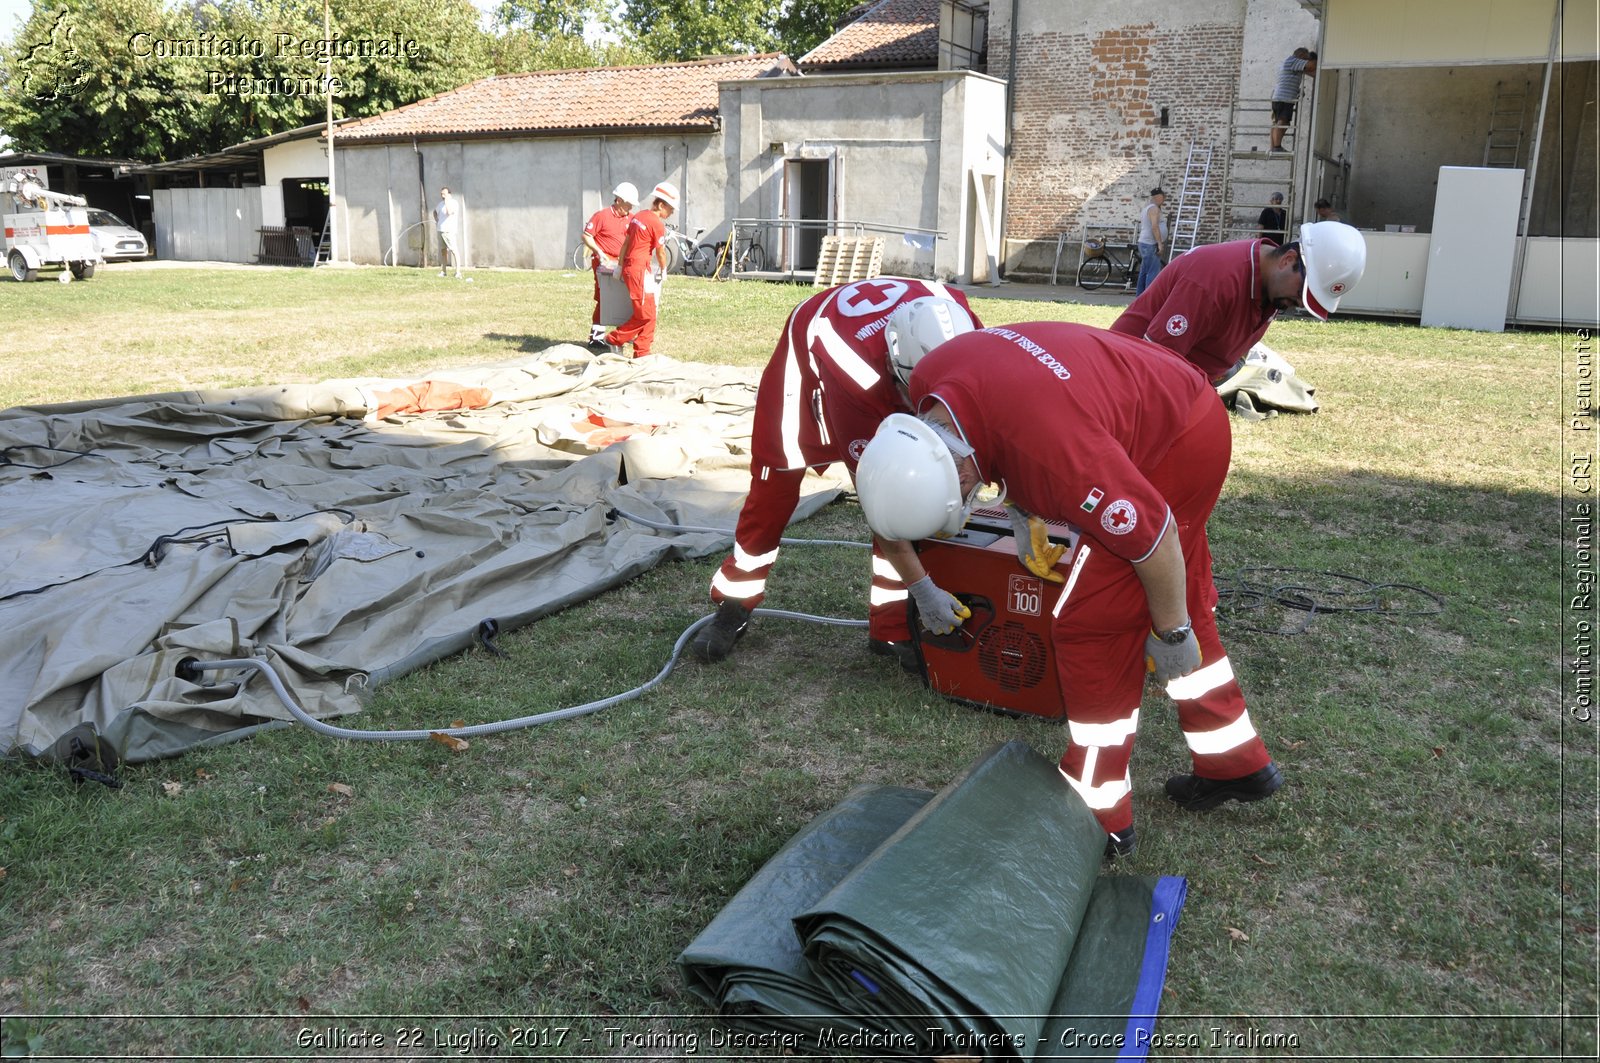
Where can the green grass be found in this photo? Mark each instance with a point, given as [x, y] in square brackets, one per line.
[1411, 892]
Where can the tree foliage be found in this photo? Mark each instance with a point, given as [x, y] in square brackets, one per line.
[689, 29]
[139, 79]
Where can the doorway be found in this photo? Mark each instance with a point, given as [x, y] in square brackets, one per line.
[808, 196]
[305, 202]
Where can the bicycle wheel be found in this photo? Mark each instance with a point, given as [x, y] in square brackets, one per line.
[721, 261]
[674, 254]
[755, 259]
[701, 261]
[1094, 272]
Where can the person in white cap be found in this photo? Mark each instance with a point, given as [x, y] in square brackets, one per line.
[1213, 303]
[603, 237]
[644, 251]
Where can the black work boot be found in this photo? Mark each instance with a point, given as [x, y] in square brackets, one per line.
[715, 641]
[1201, 795]
[1119, 843]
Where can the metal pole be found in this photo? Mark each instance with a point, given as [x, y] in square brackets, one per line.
[333, 170]
[1533, 164]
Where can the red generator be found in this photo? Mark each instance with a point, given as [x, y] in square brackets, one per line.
[1000, 658]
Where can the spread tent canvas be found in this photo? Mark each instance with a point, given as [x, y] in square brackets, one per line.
[293, 524]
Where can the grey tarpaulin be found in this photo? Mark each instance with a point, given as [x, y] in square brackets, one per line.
[980, 925]
[289, 523]
[1262, 384]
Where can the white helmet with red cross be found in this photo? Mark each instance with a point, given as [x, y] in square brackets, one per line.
[1335, 256]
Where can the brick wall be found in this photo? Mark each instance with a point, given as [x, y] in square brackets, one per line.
[1088, 143]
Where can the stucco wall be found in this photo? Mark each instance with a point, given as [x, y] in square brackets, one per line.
[902, 148]
[523, 202]
[1411, 121]
[281, 162]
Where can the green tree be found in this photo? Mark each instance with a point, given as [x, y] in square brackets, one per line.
[137, 79]
[556, 34]
[689, 29]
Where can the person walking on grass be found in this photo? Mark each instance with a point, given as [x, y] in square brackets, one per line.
[643, 261]
[447, 217]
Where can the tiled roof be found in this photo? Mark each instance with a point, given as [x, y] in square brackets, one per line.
[893, 33]
[669, 96]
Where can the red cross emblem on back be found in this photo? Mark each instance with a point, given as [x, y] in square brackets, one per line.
[870, 297]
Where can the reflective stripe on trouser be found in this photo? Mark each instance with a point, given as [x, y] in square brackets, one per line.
[1099, 639]
[595, 320]
[1211, 711]
[886, 602]
[640, 329]
[762, 520]
[742, 577]
[1096, 764]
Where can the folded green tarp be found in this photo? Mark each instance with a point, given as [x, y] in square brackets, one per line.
[979, 926]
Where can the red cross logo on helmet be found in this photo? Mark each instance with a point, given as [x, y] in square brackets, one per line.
[871, 297]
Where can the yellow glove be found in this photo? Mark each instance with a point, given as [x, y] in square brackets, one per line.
[1034, 548]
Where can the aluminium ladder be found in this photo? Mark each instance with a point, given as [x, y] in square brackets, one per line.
[1191, 199]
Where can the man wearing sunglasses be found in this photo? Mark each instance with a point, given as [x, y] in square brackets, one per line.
[1213, 303]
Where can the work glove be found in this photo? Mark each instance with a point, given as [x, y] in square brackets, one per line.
[940, 611]
[1171, 660]
[1034, 548]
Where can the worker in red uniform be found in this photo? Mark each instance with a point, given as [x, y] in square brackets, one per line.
[644, 263]
[1213, 303]
[1130, 444]
[603, 236]
[839, 369]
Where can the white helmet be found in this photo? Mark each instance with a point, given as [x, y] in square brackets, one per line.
[907, 482]
[1335, 255]
[667, 192]
[917, 327]
[627, 193]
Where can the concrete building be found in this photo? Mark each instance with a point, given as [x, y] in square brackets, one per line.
[913, 156]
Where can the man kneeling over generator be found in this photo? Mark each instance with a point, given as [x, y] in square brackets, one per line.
[1127, 441]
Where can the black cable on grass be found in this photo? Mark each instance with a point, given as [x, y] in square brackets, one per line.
[1303, 593]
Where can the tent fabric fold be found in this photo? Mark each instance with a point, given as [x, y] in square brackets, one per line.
[291, 524]
[980, 925]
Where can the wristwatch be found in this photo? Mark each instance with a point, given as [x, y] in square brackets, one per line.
[1177, 636]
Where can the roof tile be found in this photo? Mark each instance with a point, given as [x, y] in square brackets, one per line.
[896, 33]
[677, 96]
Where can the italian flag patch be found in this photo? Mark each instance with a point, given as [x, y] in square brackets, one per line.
[1095, 495]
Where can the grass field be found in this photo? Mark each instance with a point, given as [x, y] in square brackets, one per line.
[1424, 886]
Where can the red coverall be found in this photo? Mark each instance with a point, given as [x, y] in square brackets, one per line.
[1112, 434]
[606, 229]
[647, 231]
[821, 398]
[1205, 305]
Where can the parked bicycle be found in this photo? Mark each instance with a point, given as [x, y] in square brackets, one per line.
[748, 256]
[686, 254]
[1100, 264]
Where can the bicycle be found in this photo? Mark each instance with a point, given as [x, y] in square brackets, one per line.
[1100, 262]
[748, 257]
[686, 254]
